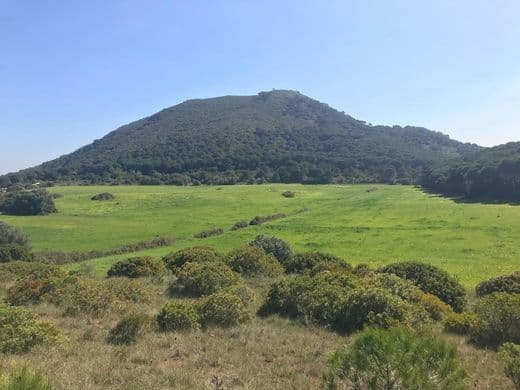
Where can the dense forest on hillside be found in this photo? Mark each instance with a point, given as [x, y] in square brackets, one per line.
[278, 136]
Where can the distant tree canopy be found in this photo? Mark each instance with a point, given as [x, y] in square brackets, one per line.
[33, 202]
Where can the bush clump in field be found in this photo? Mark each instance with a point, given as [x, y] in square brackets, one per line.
[196, 254]
[274, 246]
[24, 379]
[178, 316]
[21, 330]
[34, 202]
[459, 323]
[128, 329]
[253, 261]
[137, 267]
[224, 310]
[241, 290]
[302, 262]
[509, 353]
[288, 194]
[14, 244]
[432, 280]
[239, 225]
[12, 252]
[130, 290]
[15, 270]
[103, 196]
[505, 283]
[497, 320]
[258, 220]
[199, 279]
[395, 359]
[209, 233]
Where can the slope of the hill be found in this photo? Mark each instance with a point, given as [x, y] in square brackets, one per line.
[278, 136]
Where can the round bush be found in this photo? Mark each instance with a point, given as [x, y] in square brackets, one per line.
[288, 194]
[509, 353]
[506, 283]
[224, 310]
[34, 202]
[137, 267]
[253, 261]
[204, 278]
[131, 290]
[13, 252]
[301, 262]
[178, 316]
[432, 280]
[11, 235]
[459, 323]
[196, 254]
[103, 196]
[274, 246]
[128, 329]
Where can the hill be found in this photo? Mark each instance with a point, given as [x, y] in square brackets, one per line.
[278, 136]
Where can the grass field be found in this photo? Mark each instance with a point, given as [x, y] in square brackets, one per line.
[392, 223]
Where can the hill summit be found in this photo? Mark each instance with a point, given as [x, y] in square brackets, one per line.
[277, 136]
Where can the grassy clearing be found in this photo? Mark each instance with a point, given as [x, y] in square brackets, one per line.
[392, 223]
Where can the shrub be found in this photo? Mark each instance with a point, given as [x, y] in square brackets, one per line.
[253, 261]
[240, 225]
[209, 233]
[34, 202]
[362, 269]
[204, 278]
[224, 310]
[395, 359]
[505, 283]
[301, 262]
[274, 246]
[20, 269]
[241, 290]
[131, 290]
[258, 220]
[103, 196]
[459, 323]
[178, 316]
[137, 267]
[196, 254]
[432, 280]
[128, 329]
[509, 353]
[497, 320]
[21, 330]
[11, 235]
[288, 194]
[13, 252]
[23, 379]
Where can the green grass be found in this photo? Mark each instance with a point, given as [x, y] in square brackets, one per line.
[472, 241]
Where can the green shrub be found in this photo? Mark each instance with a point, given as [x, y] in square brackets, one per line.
[196, 254]
[103, 196]
[209, 233]
[509, 353]
[128, 329]
[505, 283]
[274, 246]
[241, 290]
[34, 202]
[288, 194]
[258, 220]
[31, 288]
[131, 290]
[204, 278]
[178, 316]
[10, 235]
[13, 252]
[23, 379]
[395, 359]
[362, 270]
[223, 310]
[497, 320]
[239, 225]
[253, 261]
[459, 323]
[20, 269]
[432, 280]
[21, 330]
[137, 267]
[301, 262]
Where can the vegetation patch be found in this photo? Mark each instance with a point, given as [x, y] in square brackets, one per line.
[209, 233]
[34, 202]
[288, 194]
[253, 261]
[275, 246]
[505, 283]
[509, 353]
[258, 220]
[128, 329]
[138, 267]
[103, 196]
[307, 261]
[460, 323]
[224, 310]
[204, 278]
[178, 316]
[239, 225]
[22, 378]
[197, 254]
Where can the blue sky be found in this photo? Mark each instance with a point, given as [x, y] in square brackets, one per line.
[71, 71]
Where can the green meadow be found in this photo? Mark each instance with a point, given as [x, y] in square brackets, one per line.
[361, 223]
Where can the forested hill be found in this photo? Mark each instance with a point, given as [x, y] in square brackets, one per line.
[278, 136]
[492, 174]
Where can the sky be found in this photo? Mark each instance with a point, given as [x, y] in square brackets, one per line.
[72, 71]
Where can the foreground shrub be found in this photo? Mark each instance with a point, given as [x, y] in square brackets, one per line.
[224, 310]
[509, 353]
[34, 202]
[241, 290]
[128, 329]
[275, 246]
[395, 359]
[209, 233]
[24, 379]
[197, 254]
[137, 267]
[9, 235]
[13, 252]
[131, 290]
[204, 278]
[103, 196]
[497, 320]
[178, 316]
[432, 280]
[506, 283]
[20, 269]
[21, 330]
[253, 261]
[301, 262]
[459, 323]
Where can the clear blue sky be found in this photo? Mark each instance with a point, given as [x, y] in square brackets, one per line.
[71, 71]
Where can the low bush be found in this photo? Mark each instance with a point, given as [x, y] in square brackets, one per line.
[395, 359]
[288, 194]
[137, 267]
[240, 225]
[362, 269]
[459, 323]
[432, 280]
[20, 269]
[12, 235]
[103, 196]
[131, 290]
[223, 309]
[209, 233]
[196, 254]
[241, 290]
[275, 246]
[199, 279]
[128, 329]
[34, 202]
[178, 316]
[13, 252]
[505, 283]
[509, 353]
[253, 261]
[21, 330]
[497, 320]
[258, 220]
[301, 262]
[24, 379]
